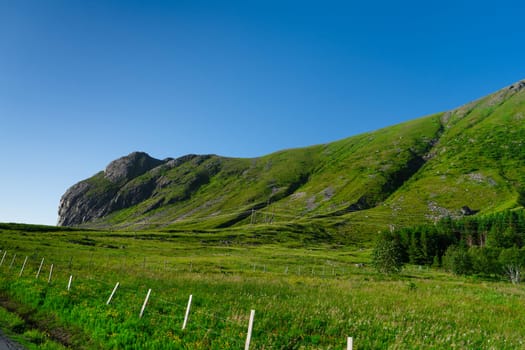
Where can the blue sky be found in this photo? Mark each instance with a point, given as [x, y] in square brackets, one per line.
[85, 82]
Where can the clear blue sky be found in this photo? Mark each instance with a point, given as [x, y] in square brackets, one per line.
[85, 82]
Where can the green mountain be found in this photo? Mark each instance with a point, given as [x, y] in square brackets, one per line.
[467, 161]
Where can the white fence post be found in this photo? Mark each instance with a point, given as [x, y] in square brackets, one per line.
[39, 268]
[350, 343]
[23, 266]
[145, 303]
[3, 257]
[250, 328]
[112, 293]
[69, 283]
[12, 262]
[50, 274]
[187, 313]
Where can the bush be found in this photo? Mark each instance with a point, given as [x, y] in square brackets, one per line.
[485, 260]
[457, 260]
[512, 260]
[387, 255]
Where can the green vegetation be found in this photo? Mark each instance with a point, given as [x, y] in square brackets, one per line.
[290, 235]
[17, 329]
[491, 245]
[299, 185]
[417, 172]
[387, 255]
[309, 293]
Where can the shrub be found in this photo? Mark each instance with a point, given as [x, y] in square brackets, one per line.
[512, 260]
[485, 260]
[457, 260]
[387, 255]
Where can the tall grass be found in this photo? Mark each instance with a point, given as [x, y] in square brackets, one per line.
[421, 308]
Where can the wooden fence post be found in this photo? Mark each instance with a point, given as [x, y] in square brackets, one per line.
[350, 343]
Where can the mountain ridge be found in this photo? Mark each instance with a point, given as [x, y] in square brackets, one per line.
[422, 169]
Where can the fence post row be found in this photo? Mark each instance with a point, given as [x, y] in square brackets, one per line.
[186, 316]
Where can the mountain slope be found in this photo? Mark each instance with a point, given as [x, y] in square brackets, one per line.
[470, 158]
[479, 161]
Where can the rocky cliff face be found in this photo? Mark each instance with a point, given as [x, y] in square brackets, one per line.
[107, 191]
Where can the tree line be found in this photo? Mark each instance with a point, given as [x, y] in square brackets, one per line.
[491, 245]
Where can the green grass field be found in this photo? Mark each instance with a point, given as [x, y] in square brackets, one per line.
[306, 295]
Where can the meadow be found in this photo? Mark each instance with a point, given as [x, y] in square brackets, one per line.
[307, 294]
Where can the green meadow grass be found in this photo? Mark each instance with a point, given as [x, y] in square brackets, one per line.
[305, 295]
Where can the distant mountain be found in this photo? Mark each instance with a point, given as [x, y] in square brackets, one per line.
[463, 162]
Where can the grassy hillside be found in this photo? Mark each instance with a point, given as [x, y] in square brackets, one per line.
[416, 171]
[478, 162]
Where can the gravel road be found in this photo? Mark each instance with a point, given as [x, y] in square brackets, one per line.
[8, 344]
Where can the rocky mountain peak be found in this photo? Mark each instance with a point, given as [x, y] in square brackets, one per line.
[130, 166]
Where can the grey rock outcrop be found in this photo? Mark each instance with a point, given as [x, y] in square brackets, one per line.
[128, 167]
[131, 180]
[108, 191]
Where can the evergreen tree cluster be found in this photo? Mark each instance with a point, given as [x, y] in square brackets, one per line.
[490, 245]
